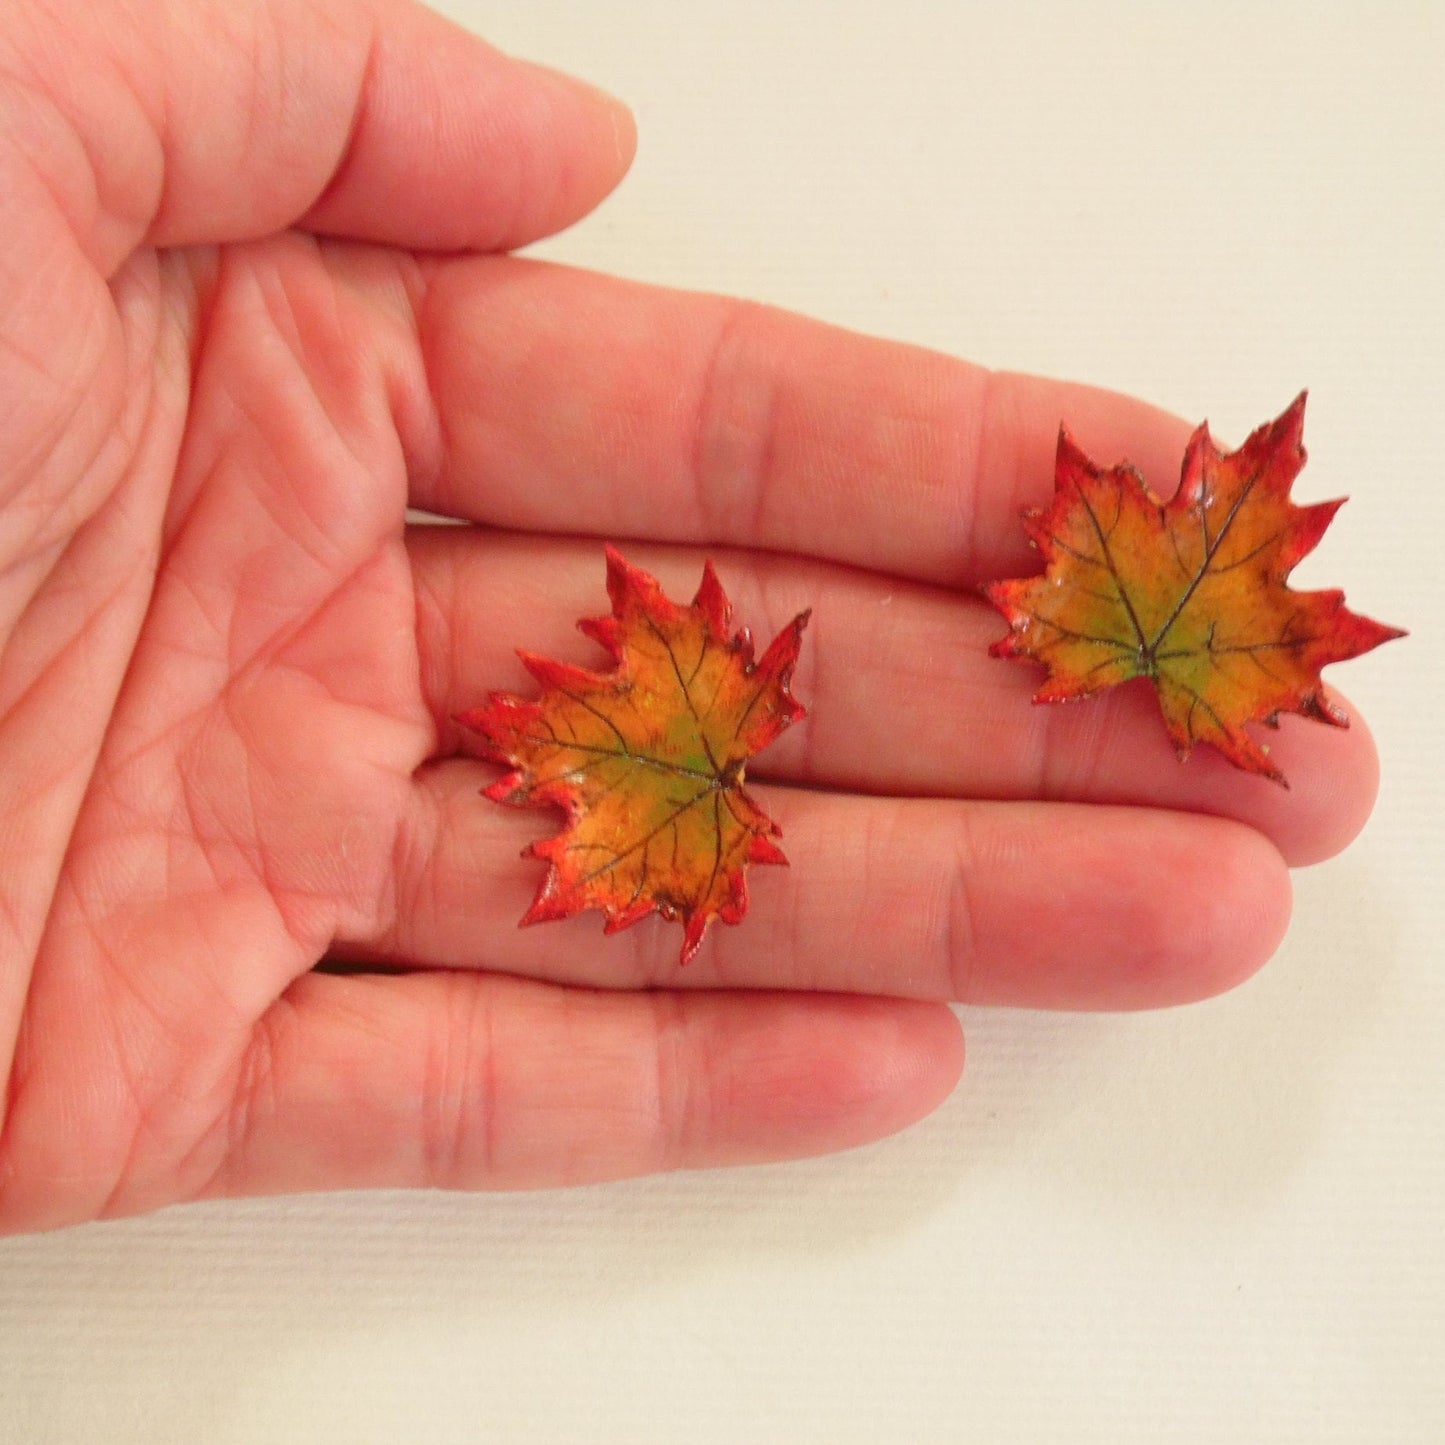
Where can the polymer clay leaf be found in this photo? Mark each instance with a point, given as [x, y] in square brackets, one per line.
[1189, 593]
[647, 760]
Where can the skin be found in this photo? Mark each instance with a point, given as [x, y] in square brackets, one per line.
[254, 302]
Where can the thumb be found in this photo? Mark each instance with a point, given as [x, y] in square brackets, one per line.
[190, 121]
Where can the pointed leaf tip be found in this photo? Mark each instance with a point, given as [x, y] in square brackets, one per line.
[711, 601]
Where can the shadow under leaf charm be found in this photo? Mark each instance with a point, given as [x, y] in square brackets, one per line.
[647, 760]
[1189, 593]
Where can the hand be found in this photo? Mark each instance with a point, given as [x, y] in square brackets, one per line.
[253, 302]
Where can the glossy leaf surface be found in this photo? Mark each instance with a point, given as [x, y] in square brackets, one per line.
[647, 760]
[1189, 593]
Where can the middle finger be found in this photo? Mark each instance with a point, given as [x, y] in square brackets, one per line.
[903, 698]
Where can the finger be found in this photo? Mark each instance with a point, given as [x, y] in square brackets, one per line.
[902, 696]
[1045, 905]
[473, 1082]
[579, 403]
[375, 119]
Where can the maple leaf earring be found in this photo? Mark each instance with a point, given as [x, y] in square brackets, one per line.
[647, 760]
[1188, 593]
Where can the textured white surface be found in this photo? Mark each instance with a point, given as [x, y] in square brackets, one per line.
[1219, 1224]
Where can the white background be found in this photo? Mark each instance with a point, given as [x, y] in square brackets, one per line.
[1223, 1223]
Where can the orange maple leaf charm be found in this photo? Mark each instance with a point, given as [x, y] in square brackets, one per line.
[1189, 593]
[647, 760]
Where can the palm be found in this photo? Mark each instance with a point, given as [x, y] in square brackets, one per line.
[248, 790]
[227, 669]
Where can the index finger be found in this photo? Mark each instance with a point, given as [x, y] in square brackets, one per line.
[571, 402]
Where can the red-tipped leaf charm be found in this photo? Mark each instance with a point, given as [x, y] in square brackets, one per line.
[647, 760]
[1188, 593]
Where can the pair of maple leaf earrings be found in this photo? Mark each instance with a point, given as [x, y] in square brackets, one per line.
[647, 760]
